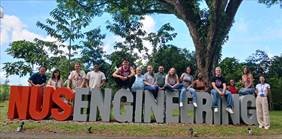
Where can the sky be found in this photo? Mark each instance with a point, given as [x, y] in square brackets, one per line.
[256, 27]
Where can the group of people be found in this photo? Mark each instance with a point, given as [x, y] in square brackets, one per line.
[129, 78]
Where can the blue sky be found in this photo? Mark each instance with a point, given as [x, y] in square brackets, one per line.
[255, 27]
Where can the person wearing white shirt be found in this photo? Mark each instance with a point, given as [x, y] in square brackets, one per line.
[262, 91]
[76, 77]
[95, 78]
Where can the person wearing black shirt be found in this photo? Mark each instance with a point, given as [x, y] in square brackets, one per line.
[219, 89]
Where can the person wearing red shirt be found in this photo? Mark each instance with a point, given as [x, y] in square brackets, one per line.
[232, 88]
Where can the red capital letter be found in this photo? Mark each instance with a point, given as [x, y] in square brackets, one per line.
[40, 109]
[65, 110]
[18, 103]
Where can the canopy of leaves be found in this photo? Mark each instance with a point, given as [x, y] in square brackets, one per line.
[231, 68]
[173, 57]
[92, 52]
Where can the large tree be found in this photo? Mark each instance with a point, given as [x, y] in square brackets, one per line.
[208, 26]
[66, 23]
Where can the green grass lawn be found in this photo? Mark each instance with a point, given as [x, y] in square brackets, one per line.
[135, 129]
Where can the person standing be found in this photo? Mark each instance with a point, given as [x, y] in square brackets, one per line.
[262, 91]
[39, 78]
[160, 77]
[150, 82]
[247, 81]
[95, 79]
[76, 77]
[55, 81]
[124, 75]
[219, 89]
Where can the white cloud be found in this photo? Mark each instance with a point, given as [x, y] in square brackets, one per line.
[13, 29]
[148, 24]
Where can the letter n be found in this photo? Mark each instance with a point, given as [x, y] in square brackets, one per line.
[18, 103]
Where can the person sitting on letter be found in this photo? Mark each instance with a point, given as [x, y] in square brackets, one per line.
[219, 89]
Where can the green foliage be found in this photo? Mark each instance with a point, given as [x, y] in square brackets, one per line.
[161, 37]
[173, 57]
[259, 63]
[92, 52]
[129, 28]
[4, 92]
[275, 80]
[231, 69]
[65, 24]
[276, 88]
[270, 2]
[30, 55]
[276, 67]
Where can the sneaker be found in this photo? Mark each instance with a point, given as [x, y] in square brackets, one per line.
[260, 126]
[181, 104]
[267, 127]
[229, 110]
[195, 104]
[156, 101]
[215, 109]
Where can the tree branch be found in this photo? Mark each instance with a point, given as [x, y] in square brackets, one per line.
[189, 13]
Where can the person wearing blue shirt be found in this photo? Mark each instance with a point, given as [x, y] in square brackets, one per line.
[139, 81]
[39, 78]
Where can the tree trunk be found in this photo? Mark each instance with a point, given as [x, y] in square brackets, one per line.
[205, 61]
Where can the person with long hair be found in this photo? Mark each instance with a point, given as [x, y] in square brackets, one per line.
[55, 81]
[187, 80]
[262, 91]
[172, 80]
[247, 82]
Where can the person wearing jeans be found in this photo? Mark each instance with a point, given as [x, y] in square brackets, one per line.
[187, 80]
[172, 81]
[187, 87]
[219, 89]
[150, 82]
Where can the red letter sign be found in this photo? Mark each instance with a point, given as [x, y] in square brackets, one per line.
[39, 109]
[65, 110]
[18, 103]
